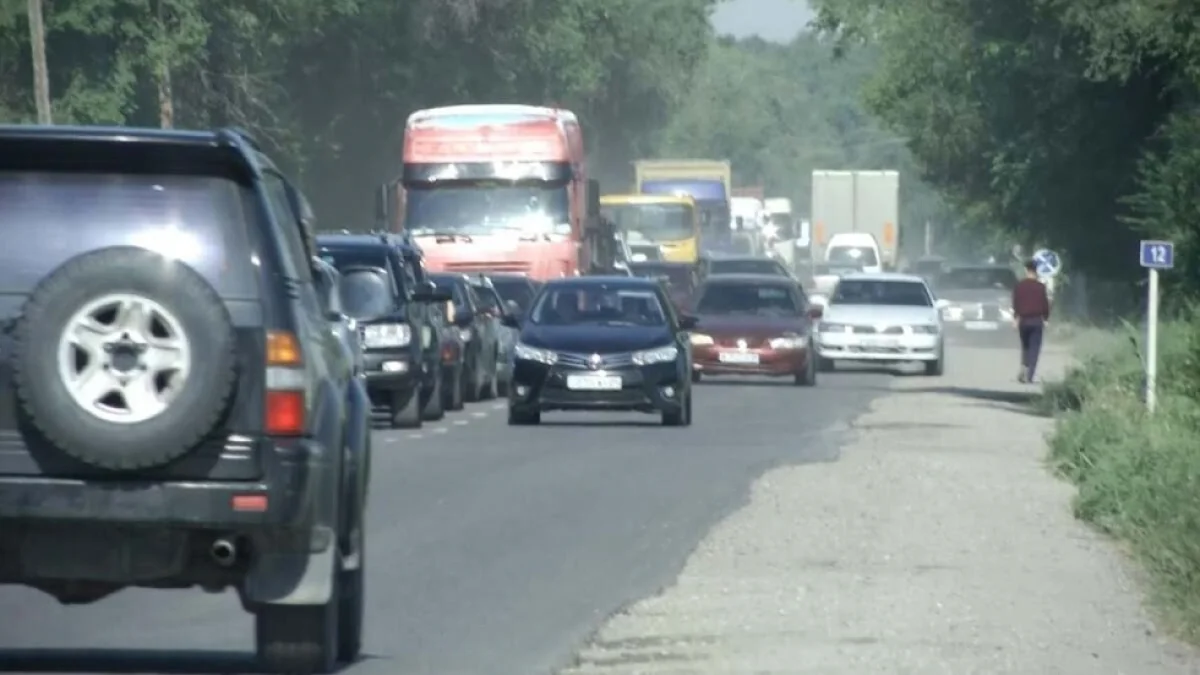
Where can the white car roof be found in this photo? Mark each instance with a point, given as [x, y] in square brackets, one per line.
[883, 276]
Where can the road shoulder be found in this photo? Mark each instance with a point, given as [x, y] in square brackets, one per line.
[938, 543]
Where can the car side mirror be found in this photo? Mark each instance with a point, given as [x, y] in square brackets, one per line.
[816, 312]
[463, 318]
[510, 321]
[941, 303]
[688, 322]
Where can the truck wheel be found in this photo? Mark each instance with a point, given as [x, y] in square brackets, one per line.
[351, 606]
[124, 360]
[299, 638]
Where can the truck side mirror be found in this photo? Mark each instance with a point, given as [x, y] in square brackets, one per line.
[593, 197]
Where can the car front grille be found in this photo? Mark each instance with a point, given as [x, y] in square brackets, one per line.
[585, 361]
[877, 330]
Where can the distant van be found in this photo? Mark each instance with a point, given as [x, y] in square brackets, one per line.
[854, 249]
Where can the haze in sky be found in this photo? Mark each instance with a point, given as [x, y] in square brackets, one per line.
[777, 20]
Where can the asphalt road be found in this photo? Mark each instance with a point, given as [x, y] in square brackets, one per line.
[492, 549]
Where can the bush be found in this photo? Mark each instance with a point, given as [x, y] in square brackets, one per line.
[1139, 479]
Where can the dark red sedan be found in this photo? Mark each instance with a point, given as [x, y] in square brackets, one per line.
[754, 324]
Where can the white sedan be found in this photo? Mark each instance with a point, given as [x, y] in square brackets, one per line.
[881, 318]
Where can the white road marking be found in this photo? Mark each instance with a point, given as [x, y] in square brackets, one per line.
[393, 439]
[478, 414]
[440, 430]
[498, 406]
[460, 423]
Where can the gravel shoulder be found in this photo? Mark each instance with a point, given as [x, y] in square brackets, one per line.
[937, 543]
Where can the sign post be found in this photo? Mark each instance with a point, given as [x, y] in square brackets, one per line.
[1155, 255]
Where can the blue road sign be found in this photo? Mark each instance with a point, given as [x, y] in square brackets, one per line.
[1048, 263]
[1158, 255]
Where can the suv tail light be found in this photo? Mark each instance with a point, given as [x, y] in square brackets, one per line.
[286, 399]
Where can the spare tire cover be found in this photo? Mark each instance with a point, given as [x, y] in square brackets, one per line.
[125, 359]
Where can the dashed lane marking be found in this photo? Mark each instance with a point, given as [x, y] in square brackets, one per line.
[460, 423]
[441, 430]
[478, 414]
[498, 406]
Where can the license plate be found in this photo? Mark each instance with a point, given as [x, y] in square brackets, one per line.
[880, 342]
[742, 358]
[981, 325]
[593, 383]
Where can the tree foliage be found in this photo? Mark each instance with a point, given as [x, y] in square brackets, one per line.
[780, 111]
[1065, 122]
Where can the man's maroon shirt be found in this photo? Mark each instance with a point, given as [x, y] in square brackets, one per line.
[1030, 301]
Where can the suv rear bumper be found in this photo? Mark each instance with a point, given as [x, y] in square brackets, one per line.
[283, 499]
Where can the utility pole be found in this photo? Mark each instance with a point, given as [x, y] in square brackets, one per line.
[41, 76]
[928, 238]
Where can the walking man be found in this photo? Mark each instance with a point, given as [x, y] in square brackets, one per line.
[1031, 311]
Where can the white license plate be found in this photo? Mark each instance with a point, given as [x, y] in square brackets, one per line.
[741, 358]
[981, 325]
[880, 342]
[593, 383]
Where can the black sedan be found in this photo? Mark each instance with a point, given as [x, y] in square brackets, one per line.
[601, 343]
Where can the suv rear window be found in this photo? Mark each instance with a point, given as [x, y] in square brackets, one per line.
[199, 220]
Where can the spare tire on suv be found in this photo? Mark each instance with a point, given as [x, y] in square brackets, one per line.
[125, 359]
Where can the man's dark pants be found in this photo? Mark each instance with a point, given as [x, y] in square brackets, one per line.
[1031, 344]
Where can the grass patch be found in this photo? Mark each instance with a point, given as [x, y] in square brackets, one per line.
[1139, 477]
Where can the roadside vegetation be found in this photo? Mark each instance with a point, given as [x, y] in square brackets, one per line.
[1138, 476]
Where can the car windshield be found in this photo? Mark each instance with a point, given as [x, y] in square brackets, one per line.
[763, 266]
[742, 298]
[853, 255]
[365, 293]
[880, 292]
[598, 304]
[483, 208]
[655, 222]
[453, 284]
[977, 279]
[519, 291]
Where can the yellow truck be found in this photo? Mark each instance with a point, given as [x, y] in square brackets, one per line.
[671, 221]
[707, 181]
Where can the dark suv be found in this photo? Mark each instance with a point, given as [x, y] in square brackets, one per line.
[480, 335]
[402, 371]
[175, 410]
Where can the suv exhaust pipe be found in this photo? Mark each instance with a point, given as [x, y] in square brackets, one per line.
[224, 552]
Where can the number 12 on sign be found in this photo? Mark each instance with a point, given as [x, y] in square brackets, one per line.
[1158, 254]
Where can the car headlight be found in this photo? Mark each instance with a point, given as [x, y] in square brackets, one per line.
[523, 352]
[925, 329]
[825, 327]
[465, 334]
[659, 355]
[788, 341]
[381, 335]
[701, 340]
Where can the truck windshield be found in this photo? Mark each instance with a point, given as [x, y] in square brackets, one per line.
[484, 208]
[656, 222]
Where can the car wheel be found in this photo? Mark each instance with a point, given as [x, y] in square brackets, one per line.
[434, 408]
[472, 385]
[300, 638]
[681, 417]
[809, 377]
[936, 368]
[351, 603]
[825, 365]
[522, 418]
[406, 415]
[696, 376]
[454, 392]
[124, 360]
